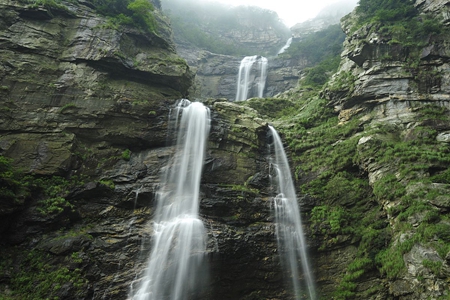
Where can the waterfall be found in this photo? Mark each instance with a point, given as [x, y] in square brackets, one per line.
[244, 77]
[179, 240]
[262, 78]
[289, 232]
[248, 79]
[286, 46]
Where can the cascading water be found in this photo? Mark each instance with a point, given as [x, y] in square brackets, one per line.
[246, 78]
[286, 46]
[263, 62]
[179, 241]
[290, 237]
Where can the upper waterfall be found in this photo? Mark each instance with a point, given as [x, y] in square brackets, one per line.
[252, 77]
[286, 46]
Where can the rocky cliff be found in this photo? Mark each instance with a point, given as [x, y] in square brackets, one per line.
[84, 111]
[384, 186]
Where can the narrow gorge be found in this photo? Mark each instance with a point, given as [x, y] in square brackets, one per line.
[87, 117]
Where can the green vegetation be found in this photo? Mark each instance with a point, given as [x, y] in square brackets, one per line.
[51, 191]
[138, 13]
[342, 82]
[412, 157]
[272, 107]
[399, 19]
[109, 183]
[11, 187]
[126, 154]
[67, 107]
[322, 51]
[38, 277]
[318, 75]
[386, 10]
[328, 220]
[52, 5]
[241, 188]
[317, 46]
[434, 266]
[355, 270]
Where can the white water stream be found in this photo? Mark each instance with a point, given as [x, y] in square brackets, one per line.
[263, 62]
[179, 240]
[248, 77]
[289, 231]
[286, 46]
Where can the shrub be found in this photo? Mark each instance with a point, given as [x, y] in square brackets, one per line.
[126, 154]
[400, 19]
[128, 12]
[319, 46]
[11, 187]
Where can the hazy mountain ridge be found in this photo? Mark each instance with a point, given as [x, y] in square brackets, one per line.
[221, 29]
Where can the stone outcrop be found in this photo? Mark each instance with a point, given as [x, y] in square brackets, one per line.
[375, 70]
[388, 90]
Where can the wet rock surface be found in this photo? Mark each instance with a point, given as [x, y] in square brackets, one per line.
[81, 100]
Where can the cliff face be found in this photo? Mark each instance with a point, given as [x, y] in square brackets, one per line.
[66, 74]
[394, 99]
[83, 114]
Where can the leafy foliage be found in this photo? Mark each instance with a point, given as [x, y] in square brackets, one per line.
[11, 187]
[51, 5]
[126, 154]
[37, 276]
[51, 191]
[136, 13]
[318, 46]
[322, 51]
[386, 10]
[271, 107]
[399, 19]
[128, 12]
[318, 75]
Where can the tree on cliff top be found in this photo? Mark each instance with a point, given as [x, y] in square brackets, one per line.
[386, 10]
[400, 19]
[129, 12]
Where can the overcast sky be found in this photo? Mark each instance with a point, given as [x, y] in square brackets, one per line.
[290, 11]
